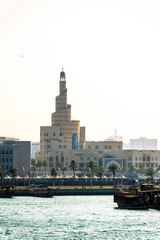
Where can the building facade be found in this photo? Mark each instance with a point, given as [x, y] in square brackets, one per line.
[15, 154]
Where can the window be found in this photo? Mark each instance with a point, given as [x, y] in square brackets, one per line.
[129, 164]
[81, 146]
[3, 151]
[11, 159]
[105, 147]
[81, 165]
[148, 159]
[156, 164]
[152, 165]
[95, 158]
[136, 165]
[60, 146]
[74, 141]
[64, 146]
[81, 158]
[6, 159]
[96, 147]
[7, 151]
[147, 164]
[11, 167]
[6, 167]
[60, 134]
[152, 159]
[89, 147]
[143, 159]
[129, 158]
[110, 147]
[136, 158]
[119, 147]
[156, 159]
[54, 134]
[88, 158]
[48, 146]
[2, 159]
[140, 159]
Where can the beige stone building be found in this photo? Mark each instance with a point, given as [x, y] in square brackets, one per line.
[64, 140]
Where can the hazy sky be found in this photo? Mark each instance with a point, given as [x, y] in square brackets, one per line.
[110, 51]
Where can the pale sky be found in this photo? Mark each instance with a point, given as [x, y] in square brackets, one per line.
[110, 51]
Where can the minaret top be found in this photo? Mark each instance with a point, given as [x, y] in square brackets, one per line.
[62, 75]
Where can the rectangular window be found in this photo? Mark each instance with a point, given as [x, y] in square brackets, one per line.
[11, 167]
[136, 158]
[156, 159]
[64, 146]
[119, 147]
[147, 164]
[11, 151]
[129, 158]
[6, 159]
[3, 151]
[152, 165]
[152, 159]
[2, 159]
[140, 159]
[136, 165]
[148, 159]
[95, 158]
[7, 151]
[89, 147]
[60, 146]
[48, 146]
[110, 147]
[54, 134]
[81, 146]
[88, 158]
[96, 147]
[81, 165]
[11, 159]
[143, 159]
[6, 167]
[129, 164]
[156, 164]
[81, 158]
[105, 147]
[60, 134]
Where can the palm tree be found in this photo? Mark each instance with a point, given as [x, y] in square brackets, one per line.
[113, 168]
[54, 172]
[1, 175]
[150, 172]
[13, 172]
[51, 164]
[141, 169]
[39, 163]
[131, 169]
[91, 166]
[73, 166]
[45, 164]
[64, 169]
[100, 171]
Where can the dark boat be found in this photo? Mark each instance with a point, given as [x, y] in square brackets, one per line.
[43, 192]
[7, 191]
[130, 198]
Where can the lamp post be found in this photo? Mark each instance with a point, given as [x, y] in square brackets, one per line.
[23, 169]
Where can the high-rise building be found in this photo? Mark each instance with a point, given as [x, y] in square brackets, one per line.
[143, 143]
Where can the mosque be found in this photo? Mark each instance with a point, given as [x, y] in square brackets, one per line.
[64, 141]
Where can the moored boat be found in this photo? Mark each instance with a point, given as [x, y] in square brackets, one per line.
[143, 197]
[43, 192]
[6, 191]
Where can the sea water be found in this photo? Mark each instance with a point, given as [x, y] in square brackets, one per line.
[74, 217]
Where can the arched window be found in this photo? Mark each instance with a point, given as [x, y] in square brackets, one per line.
[74, 141]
